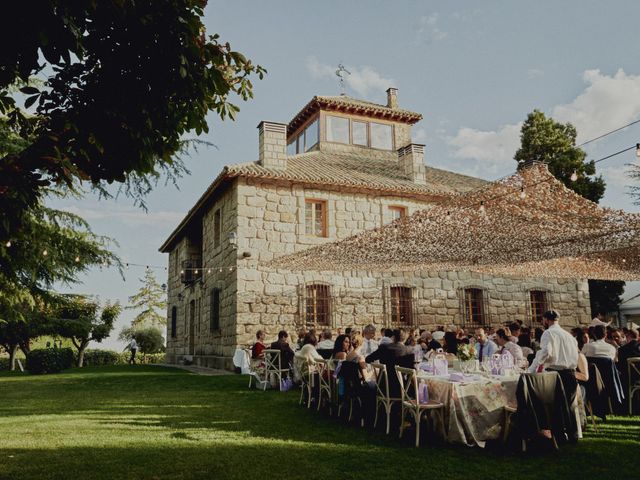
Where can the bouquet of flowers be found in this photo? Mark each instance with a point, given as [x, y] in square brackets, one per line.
[466, 352]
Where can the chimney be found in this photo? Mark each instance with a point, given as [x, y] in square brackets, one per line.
[272, 144]
[411, 159]
[392, 97]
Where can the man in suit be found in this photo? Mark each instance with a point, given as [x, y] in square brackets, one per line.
[282, 344]
[392, 354]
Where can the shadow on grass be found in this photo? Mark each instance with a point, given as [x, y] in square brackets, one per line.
[172, 424]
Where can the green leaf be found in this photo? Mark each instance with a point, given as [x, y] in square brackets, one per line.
[29, 90]
[31, 100]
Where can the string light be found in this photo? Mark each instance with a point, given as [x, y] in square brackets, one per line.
[448, 217]
[574, 176]
[523, 194]
[638, 150]
[8, 244]
[127, 266]
[45, 253]
[482, 209]
[208, 270]
[77, 259]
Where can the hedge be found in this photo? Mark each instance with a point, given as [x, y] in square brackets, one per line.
[50, 360]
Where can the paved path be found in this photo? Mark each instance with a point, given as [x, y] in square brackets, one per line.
[196, 369]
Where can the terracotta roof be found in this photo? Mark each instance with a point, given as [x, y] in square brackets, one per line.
[345, 170]
[374, 171]
[352, 105]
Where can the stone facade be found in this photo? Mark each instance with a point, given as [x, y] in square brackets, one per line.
[262, 218]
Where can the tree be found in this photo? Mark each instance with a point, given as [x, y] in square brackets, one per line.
[125, 80]
[543, 139]
[151, 298]
[605, 296]
[83, 321]
[149, 339]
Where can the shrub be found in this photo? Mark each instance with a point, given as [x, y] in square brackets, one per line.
[142, 358]
[49, 360]
[4, 363]
[93, 358]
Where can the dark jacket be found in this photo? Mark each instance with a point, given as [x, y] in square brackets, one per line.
[542, 405]
[286, 354]
[392, 354]
[611, 381]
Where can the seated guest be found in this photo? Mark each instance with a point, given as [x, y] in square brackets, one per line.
[485, 348]
[282, 344]
[514, 330]
[327, 342]
[450, 342]
[392, 354]
[503, 340]
[259, 346]
[437, 339]
[307, 355]
[388, 333]
[615, 338]
[599, 348]
[341, 347]
[370, 345]
[537, 336]
[631, 349]
[524, 342]
[356, 356]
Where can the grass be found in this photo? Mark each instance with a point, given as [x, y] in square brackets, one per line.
[156, 423]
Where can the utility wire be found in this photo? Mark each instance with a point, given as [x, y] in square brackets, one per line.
[617, 153]
[608, 133]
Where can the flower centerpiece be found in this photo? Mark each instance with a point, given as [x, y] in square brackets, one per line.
[467, 356]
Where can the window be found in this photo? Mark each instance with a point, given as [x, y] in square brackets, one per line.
[397, 212]
[381, 136]
[318, 305]
[337, 129]
[311, 136]
[474, 307]
[291, 148]
[217, 228]
[215, 310]
[359, 133]
[539, 305]
[174, 321]
[315, 217]
[401, 306]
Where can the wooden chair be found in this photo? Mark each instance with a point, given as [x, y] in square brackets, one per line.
[324, 383]
[273, 366]
[383, 397]
[307, 383]
[350, 375]
[633, 371]
[508, 414]
[256, 368]
[408, 379]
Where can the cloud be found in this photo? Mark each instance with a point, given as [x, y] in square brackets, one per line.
[420, 135]
[427, 30]
[363, 80]
[127, 215]
[606, 103]
[493, 150]
[535, 73]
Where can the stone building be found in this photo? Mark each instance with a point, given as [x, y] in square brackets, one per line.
[339, 167]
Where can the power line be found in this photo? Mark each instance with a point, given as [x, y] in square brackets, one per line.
[636, 146]
[608, 133]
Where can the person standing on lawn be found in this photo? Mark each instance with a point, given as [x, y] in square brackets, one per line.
[133, 348]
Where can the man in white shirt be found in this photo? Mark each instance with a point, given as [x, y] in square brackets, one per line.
[370, 345]
[132, 346]
[327, 342]
[599, 348]
[388, 333]
[559, 353]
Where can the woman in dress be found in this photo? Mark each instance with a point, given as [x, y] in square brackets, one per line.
[341, 347]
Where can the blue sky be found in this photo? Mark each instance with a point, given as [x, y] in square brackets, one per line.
[473, 69]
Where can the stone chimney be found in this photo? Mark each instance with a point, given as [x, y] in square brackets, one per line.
[411, 159]
[392, 97]
[272, 144]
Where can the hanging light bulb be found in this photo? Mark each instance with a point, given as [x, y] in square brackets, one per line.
[574, 176]
[8, 244]
[181, 272]
[638, 150]
[482, 209]
[77, 259]
[208, 270]
[523, 194]
[196, 272]
[231, 269]
[45, 253]
[624, 260]
[448, 216]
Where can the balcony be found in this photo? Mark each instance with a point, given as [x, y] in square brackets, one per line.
[191, 270]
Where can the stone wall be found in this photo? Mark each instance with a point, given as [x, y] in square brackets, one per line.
[211, 347]
[271, 223]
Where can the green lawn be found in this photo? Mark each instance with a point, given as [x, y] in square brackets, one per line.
[153, 422]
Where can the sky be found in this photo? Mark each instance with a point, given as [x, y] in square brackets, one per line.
[474, 70]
